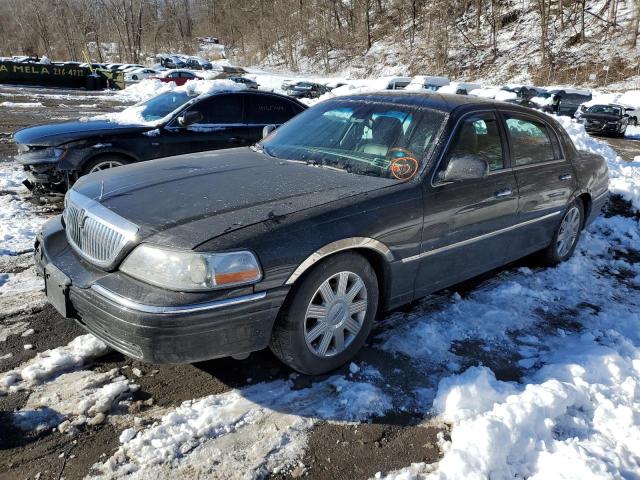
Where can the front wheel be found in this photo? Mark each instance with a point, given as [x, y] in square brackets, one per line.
[103, 162]
[329, 316]
[566, 235]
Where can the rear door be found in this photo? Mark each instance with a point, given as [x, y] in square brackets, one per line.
[465, 223]
[545, 177]
[263, 109]
[221, 126]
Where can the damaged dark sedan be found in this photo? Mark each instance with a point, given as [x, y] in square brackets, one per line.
[299, 242]
[179, 121]
[606, 120]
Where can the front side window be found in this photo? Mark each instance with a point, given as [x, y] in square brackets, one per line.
[162, 105]
[531, 142]
[478, 135]
[365, 138]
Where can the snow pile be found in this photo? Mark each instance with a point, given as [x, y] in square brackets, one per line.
[50, 363]
[74, 399]
[21, 104]
[630, 98]
[19, 223]
[574, 412]
[624, 176]
[200, 424]
[149, 88]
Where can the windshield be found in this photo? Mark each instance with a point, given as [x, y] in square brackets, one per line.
[607, 109]
[162, 105]
[365, 138]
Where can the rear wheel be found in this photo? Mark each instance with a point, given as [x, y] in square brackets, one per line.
[567, 235]
[103, 162]
[329, 316]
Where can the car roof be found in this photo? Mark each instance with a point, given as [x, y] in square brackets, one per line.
[438, 101]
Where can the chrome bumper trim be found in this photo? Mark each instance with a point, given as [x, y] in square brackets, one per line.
[160, 310]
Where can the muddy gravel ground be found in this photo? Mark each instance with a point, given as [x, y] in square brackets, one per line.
[336, 450]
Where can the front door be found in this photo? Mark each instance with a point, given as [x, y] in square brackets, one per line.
[466, 223]
[222, 126]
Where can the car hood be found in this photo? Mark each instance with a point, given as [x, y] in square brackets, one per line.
[605, 117]
[186, 200]
[54, 134]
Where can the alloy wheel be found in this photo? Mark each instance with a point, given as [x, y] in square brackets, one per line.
[568, 233]
[105, 165]
[335, 314]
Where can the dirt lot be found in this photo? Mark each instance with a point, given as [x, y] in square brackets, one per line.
[336, 449]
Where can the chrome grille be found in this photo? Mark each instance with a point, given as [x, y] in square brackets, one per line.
[95, 232]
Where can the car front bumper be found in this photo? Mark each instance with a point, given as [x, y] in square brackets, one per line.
[152, 331]
[602, 128]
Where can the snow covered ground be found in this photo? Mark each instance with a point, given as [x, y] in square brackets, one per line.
[536, 370]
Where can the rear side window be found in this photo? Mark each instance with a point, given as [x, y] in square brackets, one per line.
[265, 109]
[220, 109]
[478, 135]
[531, 142]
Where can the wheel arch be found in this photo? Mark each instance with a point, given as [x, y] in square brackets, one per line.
[585, 198]
[375, 252]
[106, 153]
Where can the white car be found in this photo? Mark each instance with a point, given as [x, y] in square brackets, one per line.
[140, 74]
[634, 114]
[428, 82]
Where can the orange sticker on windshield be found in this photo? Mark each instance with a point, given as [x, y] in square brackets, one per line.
[404, 168]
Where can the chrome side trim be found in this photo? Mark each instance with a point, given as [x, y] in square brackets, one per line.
[603, 194]
[338, 246]
[198, 307]
[477, 239]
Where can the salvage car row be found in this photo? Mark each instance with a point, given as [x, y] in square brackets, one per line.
[315, 222]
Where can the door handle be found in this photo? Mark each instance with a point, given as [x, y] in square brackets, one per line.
[565, 176]
[234, 140]
[505, 192]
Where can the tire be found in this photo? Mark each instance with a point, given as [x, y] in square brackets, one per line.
[134, 77]
[102, 162]
[311, 345]
[573, 217]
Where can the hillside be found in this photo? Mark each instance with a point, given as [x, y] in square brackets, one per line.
[466, 46]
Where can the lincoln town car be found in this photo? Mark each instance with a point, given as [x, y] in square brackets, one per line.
[356, 206]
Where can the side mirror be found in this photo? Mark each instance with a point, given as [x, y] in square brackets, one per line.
[465, 167]
[189, 118]
[266, 131]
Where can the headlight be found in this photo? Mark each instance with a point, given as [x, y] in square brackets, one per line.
[191, 271]
[612, 123]
[42, 155]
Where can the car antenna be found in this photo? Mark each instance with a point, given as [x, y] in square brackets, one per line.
[101, 190]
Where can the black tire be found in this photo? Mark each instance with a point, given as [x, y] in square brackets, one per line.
[552, 255]
[101, 159]
[134, 77]
[288, 341]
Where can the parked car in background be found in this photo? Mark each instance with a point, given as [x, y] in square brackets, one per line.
[197, 63]
[179, 77]
[306, 90]
[140, 74]
[459, 88]
[172, 123]
[606, 119]
[359, 205]
[427, 82]
[173, 62]
[395, 83]
[248, 82]
[562, 101]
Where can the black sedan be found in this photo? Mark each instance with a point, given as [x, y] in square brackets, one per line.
[306, 90]
[606, 120]
[356, 206]
[55, 155]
